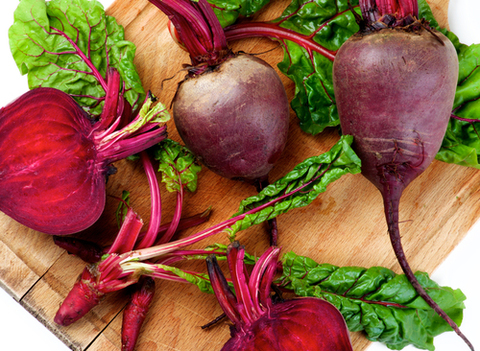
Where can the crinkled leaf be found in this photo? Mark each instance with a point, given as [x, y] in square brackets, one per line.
[328, 23]
[300, 186]
[69, 45]
[376, 300]
[461, 144]
[228, 11]
[178, 166]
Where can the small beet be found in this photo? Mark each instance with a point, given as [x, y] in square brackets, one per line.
[231, 110]
[234, 118]
[135, 312]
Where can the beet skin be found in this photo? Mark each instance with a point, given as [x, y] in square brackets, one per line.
[234, 118]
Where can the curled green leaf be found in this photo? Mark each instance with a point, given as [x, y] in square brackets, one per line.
[300, 186]
[376, 300]
[69, 45]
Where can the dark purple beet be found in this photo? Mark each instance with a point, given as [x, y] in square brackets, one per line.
[261, 325]
[394, 84]
[231, 110]
[234, 118]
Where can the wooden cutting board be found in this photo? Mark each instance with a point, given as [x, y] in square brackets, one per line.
[344, 226]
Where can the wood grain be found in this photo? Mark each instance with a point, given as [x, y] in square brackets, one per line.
[344, 226]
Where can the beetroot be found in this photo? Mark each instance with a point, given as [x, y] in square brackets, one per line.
[54, 159]
[394, 84]
[231, 110]
[259, 324]
[235, 117]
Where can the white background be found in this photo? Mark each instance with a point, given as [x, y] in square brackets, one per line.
[19, 331]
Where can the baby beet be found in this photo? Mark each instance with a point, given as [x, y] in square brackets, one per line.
[394, 84]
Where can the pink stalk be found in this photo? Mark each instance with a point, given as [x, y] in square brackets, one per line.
[155, 207]
[127, 236]
[167, 236]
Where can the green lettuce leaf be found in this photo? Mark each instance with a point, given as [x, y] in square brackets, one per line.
[328, 23]
[228, 11]
[177, 165]
[69, 45]
[376, 300]
[300, 186]
[461, 144]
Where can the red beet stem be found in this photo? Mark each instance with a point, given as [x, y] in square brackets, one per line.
[273, 30]
[391, 196]
[127, 236]
[155, 204]
[198, 28]
[88, 251]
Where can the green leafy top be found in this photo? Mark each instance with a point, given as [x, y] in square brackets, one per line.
[178, 166]
[228, 11]
[300, 186]
[376, 300]
[69, 45]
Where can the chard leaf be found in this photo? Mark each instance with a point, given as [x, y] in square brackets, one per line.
[376, 300]
[178, 166]
[300, 186]
[329, 23]
[201, 280]
[461, 144]
[228, 11]
[69, 45]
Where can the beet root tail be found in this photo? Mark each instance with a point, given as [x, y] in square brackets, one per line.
[135, 312]
[391, 204]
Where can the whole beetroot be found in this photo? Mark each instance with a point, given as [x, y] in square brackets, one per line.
[394, 84]
[231, 110]
[234, 117]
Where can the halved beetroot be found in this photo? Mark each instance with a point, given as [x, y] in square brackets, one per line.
[259, 324]
[54, 159]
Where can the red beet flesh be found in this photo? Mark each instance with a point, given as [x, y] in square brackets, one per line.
[235, 117]
[261, 325]
[47, 163]
[299, 324]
